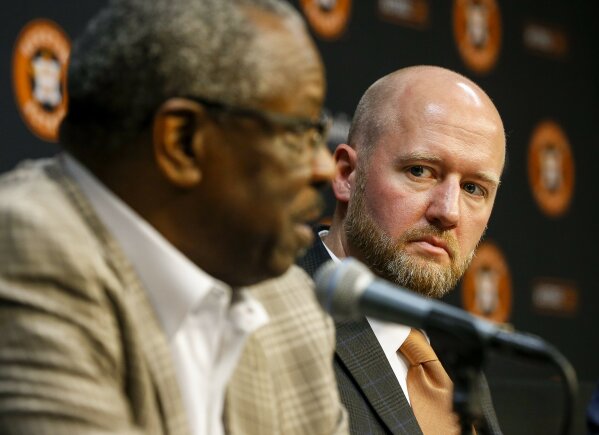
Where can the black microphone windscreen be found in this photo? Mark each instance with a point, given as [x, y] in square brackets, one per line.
[339, 287]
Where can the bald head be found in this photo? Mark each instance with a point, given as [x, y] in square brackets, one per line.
[416, 184]
[424, 94]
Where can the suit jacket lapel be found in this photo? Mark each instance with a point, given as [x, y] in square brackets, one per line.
[364, 357]
[154, 345]
[145, 324]
[358, 349]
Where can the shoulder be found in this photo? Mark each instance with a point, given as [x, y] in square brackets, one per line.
[55, 279]
[294, 279]
[291, 292]
[293, 309]
[33, 197]
[43, 235]
[289, 359]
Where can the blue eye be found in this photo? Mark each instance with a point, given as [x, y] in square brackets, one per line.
[474, 189]
[417, 171]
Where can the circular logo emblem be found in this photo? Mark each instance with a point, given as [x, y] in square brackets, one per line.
[551, 168]
[487, 286]
[39, 65]
[328, 18]
[477, 32]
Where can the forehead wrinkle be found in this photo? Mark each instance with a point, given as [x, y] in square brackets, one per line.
[491, 127]
[485, 137]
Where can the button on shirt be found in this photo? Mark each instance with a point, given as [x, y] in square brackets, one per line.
[389, 335]
[205, 323]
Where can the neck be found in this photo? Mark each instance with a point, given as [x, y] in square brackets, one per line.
[336, 240]
[132, 176]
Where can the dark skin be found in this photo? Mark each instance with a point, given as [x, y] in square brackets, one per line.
[225, 191]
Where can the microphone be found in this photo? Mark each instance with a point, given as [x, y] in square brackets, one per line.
[348, 290]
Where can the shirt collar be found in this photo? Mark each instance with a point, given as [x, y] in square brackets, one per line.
[390, 335]
[322, 234]
[174, 284]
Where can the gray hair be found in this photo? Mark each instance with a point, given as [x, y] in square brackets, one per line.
[137, 53]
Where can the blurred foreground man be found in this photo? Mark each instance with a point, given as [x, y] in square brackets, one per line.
[415, 186]
[193, 147]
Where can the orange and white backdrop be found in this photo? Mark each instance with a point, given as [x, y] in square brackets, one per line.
[538, 60]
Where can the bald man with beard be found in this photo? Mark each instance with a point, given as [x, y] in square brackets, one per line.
[415, 187]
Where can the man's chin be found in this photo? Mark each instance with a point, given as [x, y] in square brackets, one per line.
[278, 266]
[420, 259]
[304, 238]
[283, 259]
[283, 255]
[422, 276]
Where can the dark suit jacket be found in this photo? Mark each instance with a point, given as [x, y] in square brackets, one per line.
[593, 413]
[367, 384]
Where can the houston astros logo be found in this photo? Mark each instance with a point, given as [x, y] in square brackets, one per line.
[487, 287]
[39, 64]
[551, 168]
[327, 17]
[477, 32]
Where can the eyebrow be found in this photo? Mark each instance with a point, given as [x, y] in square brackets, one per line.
[424, 157]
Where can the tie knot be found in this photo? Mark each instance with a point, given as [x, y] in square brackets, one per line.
[416, 348]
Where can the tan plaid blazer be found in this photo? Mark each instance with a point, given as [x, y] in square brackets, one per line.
[284, 383]
[81, 350]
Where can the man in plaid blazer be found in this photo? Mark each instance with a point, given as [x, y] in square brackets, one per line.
[415, 186]
[193, 145]
[284, 382]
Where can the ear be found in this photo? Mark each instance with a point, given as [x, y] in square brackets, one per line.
[345, 162]
[178, 142]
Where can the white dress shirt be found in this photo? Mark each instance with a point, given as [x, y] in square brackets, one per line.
[389, 335]
[204, 327]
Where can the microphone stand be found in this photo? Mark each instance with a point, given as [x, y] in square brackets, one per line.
[462, 352]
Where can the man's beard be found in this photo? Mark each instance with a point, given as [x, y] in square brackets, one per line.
[388, 258]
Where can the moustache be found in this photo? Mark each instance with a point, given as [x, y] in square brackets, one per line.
[415, 234]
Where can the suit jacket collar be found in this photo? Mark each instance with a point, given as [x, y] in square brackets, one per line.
[146, 325]
[358, 349]
[158, 264]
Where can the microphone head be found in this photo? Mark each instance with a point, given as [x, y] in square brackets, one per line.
[339, 287]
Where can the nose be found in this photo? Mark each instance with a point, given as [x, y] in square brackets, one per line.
[444, 208]
[323, 166]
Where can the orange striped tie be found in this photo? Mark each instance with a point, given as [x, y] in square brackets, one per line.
[429, 387]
